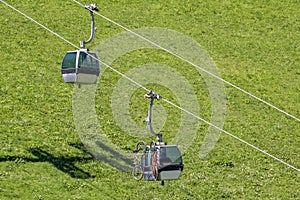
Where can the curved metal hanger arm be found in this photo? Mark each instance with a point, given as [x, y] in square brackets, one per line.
[91, 8]
[152, 95]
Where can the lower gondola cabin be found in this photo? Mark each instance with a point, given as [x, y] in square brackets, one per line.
[162, 163]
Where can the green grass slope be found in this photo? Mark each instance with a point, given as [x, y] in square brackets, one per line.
[255, 45]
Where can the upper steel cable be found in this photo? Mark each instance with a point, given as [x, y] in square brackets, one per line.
[193, 64]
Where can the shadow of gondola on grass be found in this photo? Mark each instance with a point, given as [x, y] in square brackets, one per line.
[63, 163]
[112, 157]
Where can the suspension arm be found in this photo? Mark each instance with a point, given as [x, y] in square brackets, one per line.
[91, 8]
[151, 95]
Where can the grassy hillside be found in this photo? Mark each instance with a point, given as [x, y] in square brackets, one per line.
[255, 45]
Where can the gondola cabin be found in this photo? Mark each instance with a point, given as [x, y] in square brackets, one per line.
[81, 67]
[162, 163]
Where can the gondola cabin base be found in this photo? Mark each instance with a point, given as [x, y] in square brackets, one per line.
[169, 175]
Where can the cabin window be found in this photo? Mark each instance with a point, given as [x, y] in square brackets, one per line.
[69, 60]
[88, 60]
[170, 154]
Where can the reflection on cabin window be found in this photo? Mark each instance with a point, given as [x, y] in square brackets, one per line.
[170, 155]
[88, 60]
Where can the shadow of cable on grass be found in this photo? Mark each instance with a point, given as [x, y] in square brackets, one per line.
[63, 163]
